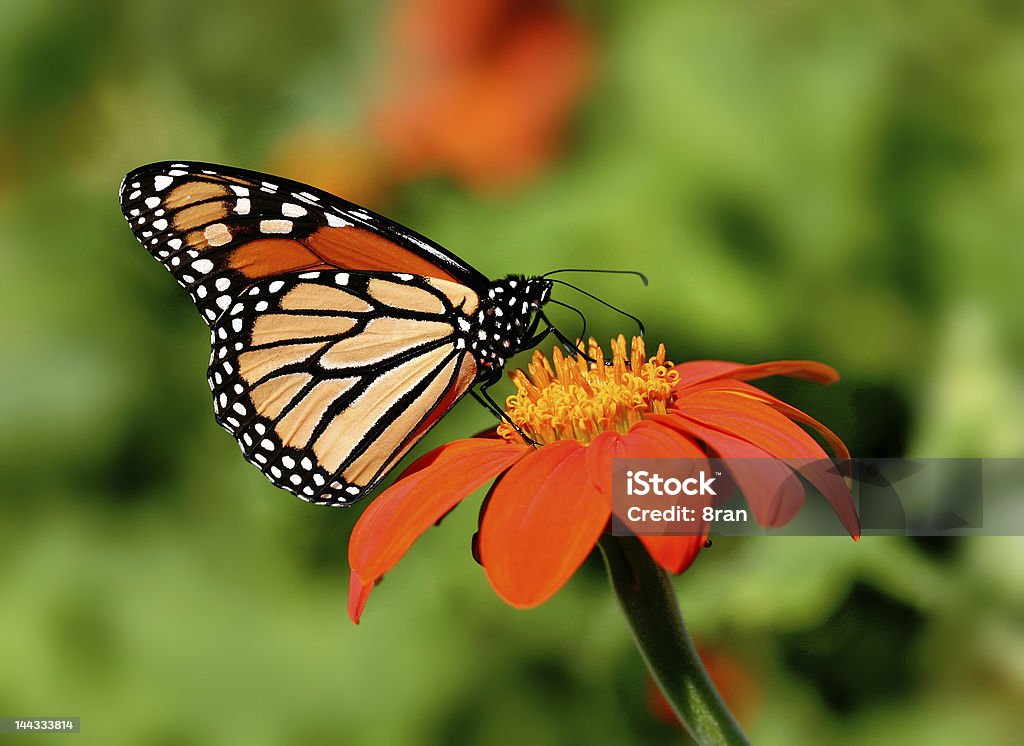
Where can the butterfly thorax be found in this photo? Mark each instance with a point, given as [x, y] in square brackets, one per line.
[503, 323]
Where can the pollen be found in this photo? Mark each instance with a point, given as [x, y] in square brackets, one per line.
[572, 398]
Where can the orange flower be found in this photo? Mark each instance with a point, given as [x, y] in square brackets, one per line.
[735, 682]
[551, 502]
[480, 89]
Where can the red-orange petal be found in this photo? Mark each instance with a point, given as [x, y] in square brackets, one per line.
[839, 449]
[674, 553]
[766, 428]
[752, 420]
[772, 490]
[698, 371]
[357, 595]
[649, 439]
[426, 492]
[542, 520]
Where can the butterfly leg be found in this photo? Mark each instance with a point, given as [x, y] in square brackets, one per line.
[488, 403]
[536, 338]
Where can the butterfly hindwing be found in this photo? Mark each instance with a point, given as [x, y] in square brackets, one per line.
[218, 230]
[328, 378]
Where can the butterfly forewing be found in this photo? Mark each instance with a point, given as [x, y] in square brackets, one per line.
[219, 229]
[338, 336]
[327, 378]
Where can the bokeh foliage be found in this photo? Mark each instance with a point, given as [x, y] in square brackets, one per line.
[832, 181]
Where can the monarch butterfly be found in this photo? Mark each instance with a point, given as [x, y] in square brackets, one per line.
[339, 338]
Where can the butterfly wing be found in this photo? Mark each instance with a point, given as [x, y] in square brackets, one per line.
[327, 378]
[219, 229]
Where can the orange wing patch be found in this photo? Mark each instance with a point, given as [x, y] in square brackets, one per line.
[271, 398]
[406, 297]
[357, 247]
[266, 257]
[396, 434]
[340, 438]
[309, 297]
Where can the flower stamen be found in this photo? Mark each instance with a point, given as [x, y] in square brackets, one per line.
[569, 398]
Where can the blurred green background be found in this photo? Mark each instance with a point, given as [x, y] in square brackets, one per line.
[842, 183]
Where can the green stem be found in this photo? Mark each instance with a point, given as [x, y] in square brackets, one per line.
[649, 601]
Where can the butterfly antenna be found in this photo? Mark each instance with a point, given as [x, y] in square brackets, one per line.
[641, 275]
[578, 312]
[638, 322]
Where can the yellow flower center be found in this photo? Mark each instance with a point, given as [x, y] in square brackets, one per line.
[570, 398]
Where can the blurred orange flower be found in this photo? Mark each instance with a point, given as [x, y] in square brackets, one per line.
[551, 501]
[734, 681]
[478, 90]
[481, 89]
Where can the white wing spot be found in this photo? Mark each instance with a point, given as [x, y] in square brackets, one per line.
[242, 206]
[262, 306]
[152, 201]
[217, 234]
[222, 284]
[275, 226]
[290, 210]
[335, 221]
[223, 302]
[162, 182]
[275, 286]
[202, 265]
